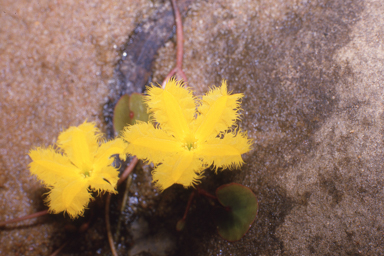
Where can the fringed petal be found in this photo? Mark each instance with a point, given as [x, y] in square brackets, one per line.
[72, 198]
[172, 107]
[55, 200]
[225, 152]
[80, 144]
[103, 156]
[106, 179]
[147, 142]
[50, 166]
[184, 169]
[218, 112]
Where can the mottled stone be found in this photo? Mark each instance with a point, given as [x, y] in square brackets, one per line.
[312, 75]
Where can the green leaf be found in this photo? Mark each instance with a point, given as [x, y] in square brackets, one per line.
[239, 212]
[138, 107]
[121, 116]
[129, 109]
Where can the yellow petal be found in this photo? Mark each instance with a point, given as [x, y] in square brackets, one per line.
[50, 166]
[184, 169]
[226, 152]
[147, 142]
[72, 198]
[105, 179]
[218, 112]
[55, 200]
[80, 144]
[103, 156]
[173, 107]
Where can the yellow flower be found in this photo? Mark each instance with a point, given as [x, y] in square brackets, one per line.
[81, 163]
[187, 141]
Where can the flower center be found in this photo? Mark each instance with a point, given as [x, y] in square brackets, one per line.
[190, 146]
[87, 172]
[190, 142]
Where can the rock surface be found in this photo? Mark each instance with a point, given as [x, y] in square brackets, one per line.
[56, 60]
[312, 73]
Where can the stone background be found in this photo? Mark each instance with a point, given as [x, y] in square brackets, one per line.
[56, 58]
[312, 73]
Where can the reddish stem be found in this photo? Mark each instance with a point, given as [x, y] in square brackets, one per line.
[59, 249]
[31, 216]
[108, 224]
[123, 177]
[170, 74]
[179, 46]
[179, 36]
[199, 191]
[205, 193]
[189, 204]
[128, 170]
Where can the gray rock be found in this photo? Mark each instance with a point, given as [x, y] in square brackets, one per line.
[312, 75]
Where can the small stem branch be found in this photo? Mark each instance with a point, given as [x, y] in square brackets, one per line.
[205, 193]
[55, 253]
[123, 177]
[189, 204]
[128, 170]
[31, 216]
[179, 36]
[108, 224]
[123, 204]
[178, 70]
[170, 74]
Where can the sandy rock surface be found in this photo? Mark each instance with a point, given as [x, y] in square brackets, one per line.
[312, 75]
[56, 58]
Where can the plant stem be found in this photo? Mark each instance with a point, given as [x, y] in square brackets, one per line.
[199, 191]
[30, 216]
[205, 193]
[55, 253]
[123, 204]
[189, 204]
[179, 36]
[128, 170]
[108, 224]
[125, 174]
[178, 70]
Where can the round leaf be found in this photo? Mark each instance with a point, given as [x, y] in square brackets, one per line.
[121, 116]
[138, 108]
[239, 212]
[129, 109]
